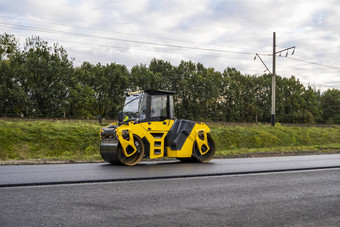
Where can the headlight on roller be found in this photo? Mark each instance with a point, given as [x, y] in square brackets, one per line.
[201, 135]
[107, 132]
[125, 134]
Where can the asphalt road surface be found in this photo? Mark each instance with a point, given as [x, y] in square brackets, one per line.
[304, 195]
[101, 172]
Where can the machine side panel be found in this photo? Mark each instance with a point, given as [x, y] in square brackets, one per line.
[153, 134]
[178, 134]
[187, 148]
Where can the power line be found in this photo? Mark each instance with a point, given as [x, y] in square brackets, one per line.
[118, 39]
[139, 49]
[140, 42]
[94, 29]
[314, 63]
[118, 32]
[304, 79]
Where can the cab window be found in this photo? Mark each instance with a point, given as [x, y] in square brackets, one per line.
[159, 106]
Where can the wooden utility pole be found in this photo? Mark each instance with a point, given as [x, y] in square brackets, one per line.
[273, 80]
[274, 73]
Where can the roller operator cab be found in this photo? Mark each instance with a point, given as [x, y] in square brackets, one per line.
[148, 129]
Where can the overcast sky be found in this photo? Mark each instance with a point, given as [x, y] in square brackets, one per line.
[216, 33]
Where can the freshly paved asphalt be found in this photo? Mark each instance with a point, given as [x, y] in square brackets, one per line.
[101, 172]
[281, 191]
[294, 198]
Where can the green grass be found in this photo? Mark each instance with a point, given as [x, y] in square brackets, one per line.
[79, 140]
[231, 140]
[49, 139]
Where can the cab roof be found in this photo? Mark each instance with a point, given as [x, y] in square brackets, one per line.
[159, 92]
[151, 92]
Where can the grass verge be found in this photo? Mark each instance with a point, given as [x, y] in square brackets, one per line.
[78, 141]
[49, 139]
[262, 140]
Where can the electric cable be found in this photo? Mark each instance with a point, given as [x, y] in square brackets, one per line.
[119, 39]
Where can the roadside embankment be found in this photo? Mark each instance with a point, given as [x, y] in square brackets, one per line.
[49, 141]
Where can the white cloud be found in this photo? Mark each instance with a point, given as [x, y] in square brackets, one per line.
[241, 26]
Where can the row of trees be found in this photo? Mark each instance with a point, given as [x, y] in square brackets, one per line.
[38, 80]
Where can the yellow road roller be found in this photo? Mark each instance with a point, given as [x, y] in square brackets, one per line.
[147, 128]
